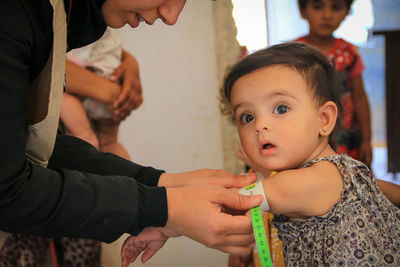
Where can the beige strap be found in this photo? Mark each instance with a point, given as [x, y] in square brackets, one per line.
[46, 94]
[45, 97]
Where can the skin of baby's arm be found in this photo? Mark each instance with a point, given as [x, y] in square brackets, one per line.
[304, 192]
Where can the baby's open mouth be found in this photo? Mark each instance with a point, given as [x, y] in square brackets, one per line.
[266, 146]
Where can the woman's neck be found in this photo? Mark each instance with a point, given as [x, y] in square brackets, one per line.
[322, 43]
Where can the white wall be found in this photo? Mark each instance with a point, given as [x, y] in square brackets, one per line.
[177, 128]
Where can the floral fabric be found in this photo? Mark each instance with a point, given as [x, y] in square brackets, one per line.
[362, 229]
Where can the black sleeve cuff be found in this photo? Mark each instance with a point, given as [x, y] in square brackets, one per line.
[75, 154]
[153, 208]
[149, 176]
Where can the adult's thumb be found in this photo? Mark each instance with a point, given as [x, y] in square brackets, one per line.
[241, 202]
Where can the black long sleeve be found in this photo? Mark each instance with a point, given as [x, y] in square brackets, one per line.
[82, 193]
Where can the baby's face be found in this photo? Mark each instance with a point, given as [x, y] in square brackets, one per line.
[277, 118]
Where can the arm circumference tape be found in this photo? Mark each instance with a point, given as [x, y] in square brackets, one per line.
[256, 189]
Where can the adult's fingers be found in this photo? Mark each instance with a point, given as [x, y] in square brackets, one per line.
[238, 202]
[124, 95]
[235, 239]
[207, 224]
[239, 180]
[130, 98]
[241, 251]
[228, 180]
[238, 224]
[117, 74]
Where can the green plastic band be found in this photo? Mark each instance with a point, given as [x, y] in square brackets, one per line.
[261, 238]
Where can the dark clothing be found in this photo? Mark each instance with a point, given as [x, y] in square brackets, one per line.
[82, 193]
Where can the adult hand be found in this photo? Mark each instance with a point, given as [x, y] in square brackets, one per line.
[206, 177]
[197, 212]
[108, 92]
[236, 261]
[130, 97]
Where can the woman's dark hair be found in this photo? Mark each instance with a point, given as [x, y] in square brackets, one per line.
[303, 3]
[319, 74]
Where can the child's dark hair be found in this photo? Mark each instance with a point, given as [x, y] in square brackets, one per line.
[319, 74]
[303, 3]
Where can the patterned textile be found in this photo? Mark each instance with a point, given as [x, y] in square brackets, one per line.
[21, 250]
[348, 64]
[362, 228]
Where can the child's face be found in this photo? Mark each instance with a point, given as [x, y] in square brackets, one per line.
[324, 16]
[277, 118]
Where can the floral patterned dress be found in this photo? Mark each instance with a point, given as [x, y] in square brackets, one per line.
[362, 229]
[348, 64]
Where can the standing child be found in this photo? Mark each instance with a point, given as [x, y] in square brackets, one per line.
[353, 137]
[328, 208]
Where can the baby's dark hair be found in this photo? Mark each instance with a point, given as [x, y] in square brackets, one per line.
[319, 74]
[303, 3]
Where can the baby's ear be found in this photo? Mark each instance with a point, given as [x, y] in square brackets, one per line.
[327, 116]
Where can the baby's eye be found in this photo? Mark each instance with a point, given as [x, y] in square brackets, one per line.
[281, 109]
[246, 118]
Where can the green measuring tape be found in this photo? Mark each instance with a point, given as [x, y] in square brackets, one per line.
[261, 238]
[257, 221]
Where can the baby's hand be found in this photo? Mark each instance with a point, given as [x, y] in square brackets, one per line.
[150, 240]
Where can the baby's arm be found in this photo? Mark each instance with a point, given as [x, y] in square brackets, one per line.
[150, 240]
[304, 192]
[390, 190]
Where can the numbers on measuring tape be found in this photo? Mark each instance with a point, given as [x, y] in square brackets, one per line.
[261, 239]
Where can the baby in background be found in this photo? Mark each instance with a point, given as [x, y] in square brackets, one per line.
[93, 118]
[328, 208]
